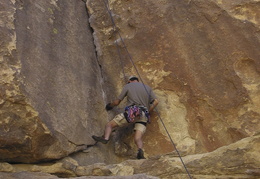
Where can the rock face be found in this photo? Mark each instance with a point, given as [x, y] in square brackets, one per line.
[49, 75]
[201, 57]
[236, 161]
[59, 66]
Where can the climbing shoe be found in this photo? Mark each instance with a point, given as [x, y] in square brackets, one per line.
[100, 139]
[140, 154]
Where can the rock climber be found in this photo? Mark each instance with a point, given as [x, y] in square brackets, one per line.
[141, 100]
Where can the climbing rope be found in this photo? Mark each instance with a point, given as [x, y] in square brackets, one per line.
[131, 59]
[119, 34]
[117, 45]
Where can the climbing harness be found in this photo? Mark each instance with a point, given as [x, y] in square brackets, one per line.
[131, 59]
[133, 111]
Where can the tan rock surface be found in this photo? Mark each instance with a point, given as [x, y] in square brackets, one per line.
[238, 160]
[50, 81]
[202, 59]
[56, 74]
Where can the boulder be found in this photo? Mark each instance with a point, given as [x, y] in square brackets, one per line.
[50, 81]
[235, 161]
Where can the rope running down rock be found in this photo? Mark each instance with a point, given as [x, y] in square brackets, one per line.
[106, 3]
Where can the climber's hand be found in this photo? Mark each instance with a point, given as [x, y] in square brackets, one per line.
[109, 106]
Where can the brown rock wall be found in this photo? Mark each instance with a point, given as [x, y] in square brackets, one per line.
[201, 58]
[50, 84]
[235, 161]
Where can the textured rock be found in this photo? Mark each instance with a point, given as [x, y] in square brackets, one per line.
[245, 10]
[236, 161]
[28, 175]
[200, 56]
[49, 75]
